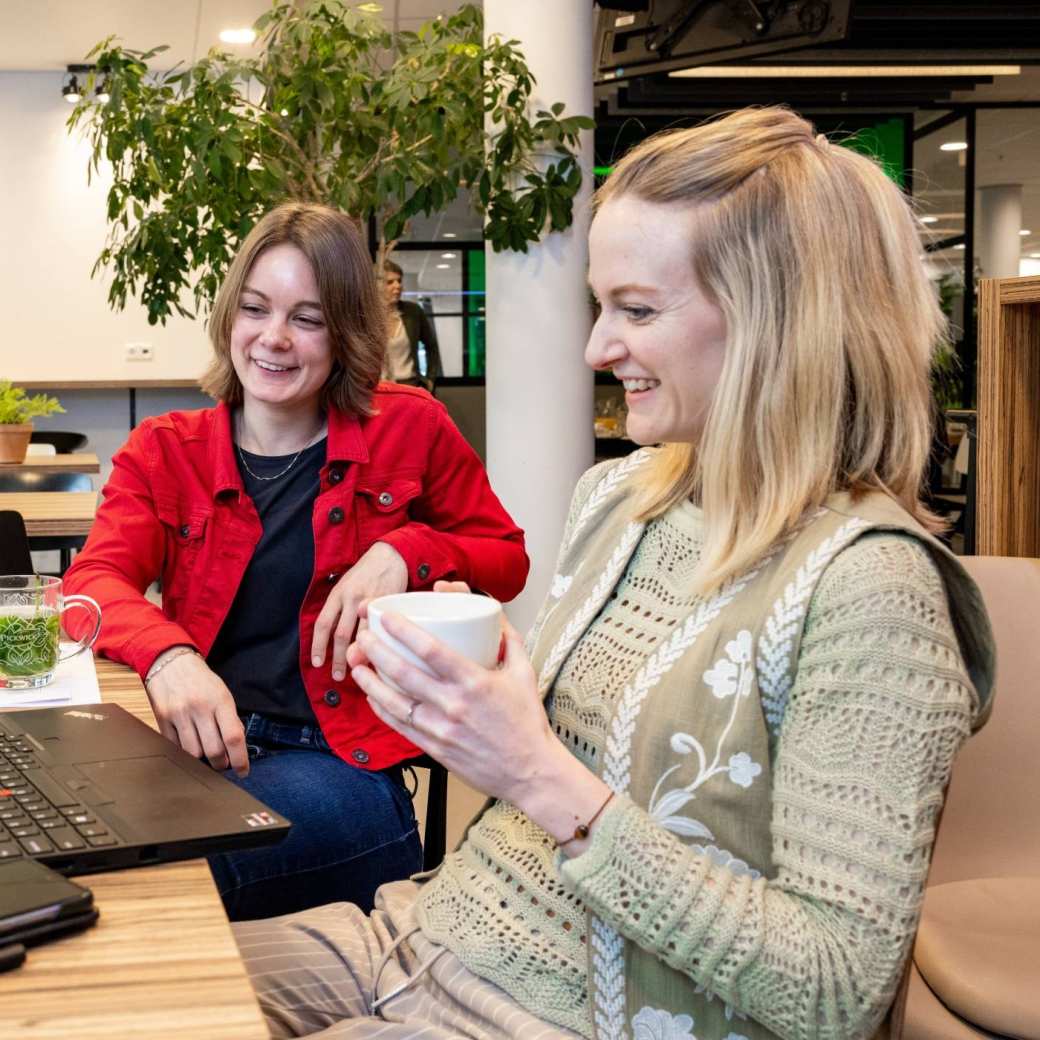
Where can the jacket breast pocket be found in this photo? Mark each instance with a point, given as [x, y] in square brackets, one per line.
[185, 529]
[383, 506]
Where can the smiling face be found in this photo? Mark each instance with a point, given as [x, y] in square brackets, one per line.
[279, 338]
[657, 330]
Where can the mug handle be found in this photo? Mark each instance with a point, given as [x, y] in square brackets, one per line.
[84, 603]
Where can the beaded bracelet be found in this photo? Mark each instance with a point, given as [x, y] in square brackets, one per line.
[581, 832]
[154, 671]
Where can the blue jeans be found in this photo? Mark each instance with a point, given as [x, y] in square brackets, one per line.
[352, 829]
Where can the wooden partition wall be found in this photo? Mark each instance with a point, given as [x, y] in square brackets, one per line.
[1008, 467]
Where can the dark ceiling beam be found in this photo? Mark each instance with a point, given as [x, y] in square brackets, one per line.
[937, 124]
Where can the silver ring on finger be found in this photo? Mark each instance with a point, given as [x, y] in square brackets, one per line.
[411, 712]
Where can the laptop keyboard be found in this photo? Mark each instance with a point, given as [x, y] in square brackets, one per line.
[37, 815]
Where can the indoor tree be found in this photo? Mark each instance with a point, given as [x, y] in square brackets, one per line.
[333, 109]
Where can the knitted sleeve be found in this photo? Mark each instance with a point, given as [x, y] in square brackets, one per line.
[880, 705]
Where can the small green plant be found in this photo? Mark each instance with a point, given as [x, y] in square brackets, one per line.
[17, 407]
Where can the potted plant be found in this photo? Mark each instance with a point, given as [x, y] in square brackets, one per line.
[17, 410]
[333, 109]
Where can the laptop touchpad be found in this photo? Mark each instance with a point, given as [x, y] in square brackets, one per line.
[153, 795]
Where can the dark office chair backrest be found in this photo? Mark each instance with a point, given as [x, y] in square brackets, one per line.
[13, 480]
[15, 557]
[64, 441]
[16, 481]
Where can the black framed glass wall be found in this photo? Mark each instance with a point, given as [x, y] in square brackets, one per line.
[944, 173]
[447, 280]
[442, 257]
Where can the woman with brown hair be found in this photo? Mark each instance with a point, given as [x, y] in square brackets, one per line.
[309, 488]
[716, 773]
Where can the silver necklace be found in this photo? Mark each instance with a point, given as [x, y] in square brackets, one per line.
[256, 476]
[292, 461]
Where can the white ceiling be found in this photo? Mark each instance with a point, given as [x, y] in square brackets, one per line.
[47, 35]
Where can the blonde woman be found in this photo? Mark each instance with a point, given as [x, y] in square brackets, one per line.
[756, 662]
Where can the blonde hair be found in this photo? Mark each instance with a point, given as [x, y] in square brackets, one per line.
[811, 253]
[351, 303]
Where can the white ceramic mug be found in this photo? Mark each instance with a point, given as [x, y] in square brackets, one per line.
[471, 625]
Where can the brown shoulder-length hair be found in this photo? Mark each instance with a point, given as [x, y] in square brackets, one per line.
[811, 253]
[351, 303]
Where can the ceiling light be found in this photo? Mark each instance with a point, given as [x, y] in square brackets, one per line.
[284, 112]
[840, 71]
[70, 91]
[954, 146]
[451, 256]
[103, 95]
[237, 35]
[1024, 232]
[449, 234]
[928, 220]
[959, 245]
[370, 8]
[444, 267]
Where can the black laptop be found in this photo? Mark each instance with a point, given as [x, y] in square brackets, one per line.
[90, 787]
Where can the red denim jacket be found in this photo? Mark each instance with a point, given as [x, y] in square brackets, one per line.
[175, 505]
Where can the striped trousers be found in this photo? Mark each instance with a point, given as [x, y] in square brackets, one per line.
[333, 972]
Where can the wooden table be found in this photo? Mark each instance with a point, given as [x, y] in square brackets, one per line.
[160, 963]
[75, 462]
[53, 512]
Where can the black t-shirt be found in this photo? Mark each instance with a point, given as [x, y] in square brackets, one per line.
[257, 651]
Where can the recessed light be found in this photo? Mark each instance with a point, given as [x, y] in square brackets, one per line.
[237, 35]
[444, 267]
[448, 256]
[449, 234]
[954, 146]
[1024, 232]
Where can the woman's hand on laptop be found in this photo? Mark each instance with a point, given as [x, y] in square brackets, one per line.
[195, 710]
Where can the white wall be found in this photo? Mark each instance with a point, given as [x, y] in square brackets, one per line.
[57, 323]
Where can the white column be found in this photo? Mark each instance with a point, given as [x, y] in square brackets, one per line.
[539, 391]
[1000, 220]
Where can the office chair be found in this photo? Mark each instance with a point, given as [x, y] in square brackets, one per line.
[436, 828]
[15, 481]
[15, 557]
[64, 441]
[974, 973]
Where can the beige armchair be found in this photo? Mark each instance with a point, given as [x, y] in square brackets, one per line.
[976, 962]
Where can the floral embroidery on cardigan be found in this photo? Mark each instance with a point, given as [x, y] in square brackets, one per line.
[730, 676]
[655, 1024]
[607, 956]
